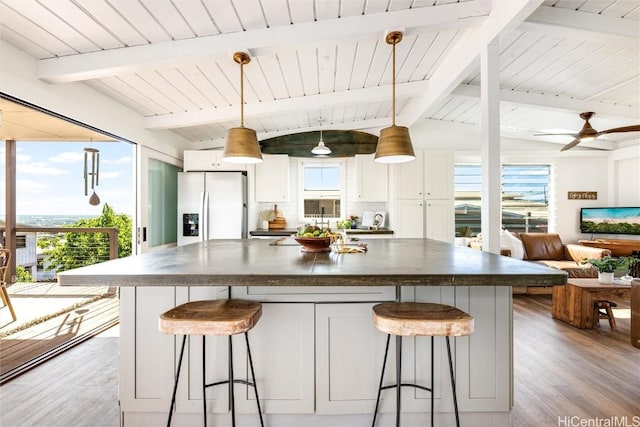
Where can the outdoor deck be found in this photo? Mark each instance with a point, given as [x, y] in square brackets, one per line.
[51, 319]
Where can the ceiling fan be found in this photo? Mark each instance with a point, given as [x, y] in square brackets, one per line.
[587, 133]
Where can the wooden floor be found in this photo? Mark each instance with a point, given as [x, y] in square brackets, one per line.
[560, 371]
[29, 347]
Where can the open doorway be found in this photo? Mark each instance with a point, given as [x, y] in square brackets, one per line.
[49, 183]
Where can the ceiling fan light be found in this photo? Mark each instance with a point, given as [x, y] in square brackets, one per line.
[242, 146]
[587, 138]
[394, 145]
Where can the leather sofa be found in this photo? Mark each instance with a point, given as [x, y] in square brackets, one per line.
[548, 249]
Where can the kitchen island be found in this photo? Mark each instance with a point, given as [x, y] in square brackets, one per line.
[316, 351]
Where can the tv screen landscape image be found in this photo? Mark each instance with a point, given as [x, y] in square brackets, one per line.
[610, 220]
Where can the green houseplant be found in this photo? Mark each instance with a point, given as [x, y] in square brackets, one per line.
[607, 266]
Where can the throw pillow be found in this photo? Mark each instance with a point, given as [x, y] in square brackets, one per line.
[508, 240]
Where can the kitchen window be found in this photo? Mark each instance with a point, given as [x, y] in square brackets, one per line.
[322, 190]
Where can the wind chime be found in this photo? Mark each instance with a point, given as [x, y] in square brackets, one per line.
[91, 155]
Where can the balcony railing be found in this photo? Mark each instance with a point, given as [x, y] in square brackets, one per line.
[88, 252]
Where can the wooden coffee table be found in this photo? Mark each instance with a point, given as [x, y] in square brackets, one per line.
[573, 302]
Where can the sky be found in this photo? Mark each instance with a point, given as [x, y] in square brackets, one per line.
[49, 178]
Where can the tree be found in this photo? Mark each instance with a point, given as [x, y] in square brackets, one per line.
[72, 250]
[23, 275]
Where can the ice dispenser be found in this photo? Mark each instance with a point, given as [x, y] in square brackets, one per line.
[190, 224]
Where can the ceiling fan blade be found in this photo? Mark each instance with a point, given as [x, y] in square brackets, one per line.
[632, 128]
[571, 144]
[575, 135]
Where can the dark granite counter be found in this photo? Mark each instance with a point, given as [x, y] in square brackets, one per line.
[406, 262]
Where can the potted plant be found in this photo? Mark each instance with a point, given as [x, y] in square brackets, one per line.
[607, 266]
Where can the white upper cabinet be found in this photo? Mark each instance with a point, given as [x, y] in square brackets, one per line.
[429, 176]
[272, 178]
[372, 179]
[408, 178]
[438, 174]
[208, 160]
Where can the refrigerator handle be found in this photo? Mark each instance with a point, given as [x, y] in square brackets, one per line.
[204, 215]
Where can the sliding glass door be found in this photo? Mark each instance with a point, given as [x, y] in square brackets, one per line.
[157, 225]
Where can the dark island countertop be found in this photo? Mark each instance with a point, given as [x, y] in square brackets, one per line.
[289, 232]
[253, 262]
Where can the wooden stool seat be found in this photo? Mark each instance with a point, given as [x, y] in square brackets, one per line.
[602, 310]
[215, 317]
[422, 319]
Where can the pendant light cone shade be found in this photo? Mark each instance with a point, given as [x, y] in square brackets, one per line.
[394, 144]
[242, 145]
[321, 149]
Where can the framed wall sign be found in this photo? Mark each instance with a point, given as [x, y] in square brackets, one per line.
[582, 195]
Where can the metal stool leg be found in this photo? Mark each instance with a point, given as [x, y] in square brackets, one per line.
[232, 398]
[204, 380]
[253, 378]
[175, 384]
[384, 364]
[398, 377]
[453, 383]
[432, 381]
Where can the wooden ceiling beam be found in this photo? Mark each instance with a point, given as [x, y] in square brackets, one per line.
[583, 26]
[180, 52]
[505, 15]
[282, 106]
[551, 102]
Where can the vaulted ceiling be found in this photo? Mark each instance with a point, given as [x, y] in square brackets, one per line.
[171, 61]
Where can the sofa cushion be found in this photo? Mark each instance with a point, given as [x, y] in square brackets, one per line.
[542, 246]
[512, 243]
[573, 269]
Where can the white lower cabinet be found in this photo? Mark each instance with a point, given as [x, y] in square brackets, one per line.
[282, 349]
[315, 359]
[349, 353]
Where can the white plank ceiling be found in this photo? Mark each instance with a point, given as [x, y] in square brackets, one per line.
[171, 61]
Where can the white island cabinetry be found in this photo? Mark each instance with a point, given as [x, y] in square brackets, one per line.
[316, 349]
[322, 359]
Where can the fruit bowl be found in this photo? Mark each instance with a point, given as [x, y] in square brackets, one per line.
[314, 244]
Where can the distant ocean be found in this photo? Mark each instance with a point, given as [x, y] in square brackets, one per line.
[48, 220]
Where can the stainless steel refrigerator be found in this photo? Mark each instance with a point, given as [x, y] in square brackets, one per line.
[211, 205]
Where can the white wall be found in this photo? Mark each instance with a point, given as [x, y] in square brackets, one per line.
[18, 78]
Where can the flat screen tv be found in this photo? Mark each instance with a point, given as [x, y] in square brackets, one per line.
[610, 220]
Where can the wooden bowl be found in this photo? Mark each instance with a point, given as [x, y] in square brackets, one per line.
[314, 244]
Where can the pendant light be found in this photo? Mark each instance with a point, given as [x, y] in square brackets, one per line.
[242, 143]
[321, 149]
[394, 143]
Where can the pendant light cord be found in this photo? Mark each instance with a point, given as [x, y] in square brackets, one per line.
[393, 86]
[241, 95]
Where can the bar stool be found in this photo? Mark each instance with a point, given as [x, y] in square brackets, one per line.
[216, 317]
[419, 319]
